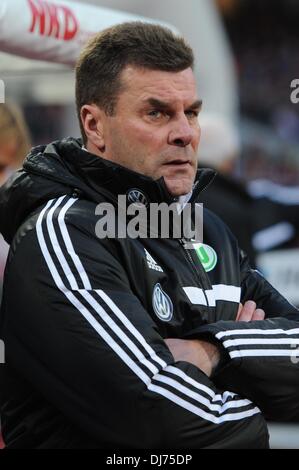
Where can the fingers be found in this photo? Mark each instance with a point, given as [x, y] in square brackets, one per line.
[259, 314]
[239, 311]
[247, 311]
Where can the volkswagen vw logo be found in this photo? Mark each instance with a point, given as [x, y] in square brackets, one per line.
[137, 196]
[162, 304]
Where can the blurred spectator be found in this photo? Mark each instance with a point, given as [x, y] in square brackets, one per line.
[259, 223]
[219, 149]
[14, 140]
[14, 145]
[220, 142]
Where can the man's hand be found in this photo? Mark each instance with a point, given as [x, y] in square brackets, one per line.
[202, 354]
[249, 312]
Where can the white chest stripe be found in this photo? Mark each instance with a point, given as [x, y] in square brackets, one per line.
[209, 297]
[230, 407]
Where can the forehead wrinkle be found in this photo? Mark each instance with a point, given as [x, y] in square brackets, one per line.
[168, 93]
[154, 100]
[169, 87]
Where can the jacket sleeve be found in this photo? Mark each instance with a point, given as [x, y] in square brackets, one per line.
[255, 287]
[262, 357]
[89, 346]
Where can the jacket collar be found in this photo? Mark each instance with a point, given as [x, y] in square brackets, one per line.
[110, 179]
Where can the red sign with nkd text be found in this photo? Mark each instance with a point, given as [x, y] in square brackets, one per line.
[51, 19]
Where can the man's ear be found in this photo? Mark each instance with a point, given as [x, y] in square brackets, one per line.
[92, 118]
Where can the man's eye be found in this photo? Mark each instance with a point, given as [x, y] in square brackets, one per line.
[192, 113]
[155, 113]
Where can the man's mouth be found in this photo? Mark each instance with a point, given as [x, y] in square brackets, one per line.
[178, 162]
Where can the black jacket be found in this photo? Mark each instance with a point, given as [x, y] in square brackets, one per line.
[83, 321]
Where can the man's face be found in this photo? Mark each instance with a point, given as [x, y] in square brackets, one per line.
[155, 128]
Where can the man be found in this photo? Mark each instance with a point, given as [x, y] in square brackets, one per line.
[122, 342]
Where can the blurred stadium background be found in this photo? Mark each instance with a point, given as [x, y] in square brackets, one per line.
[247, 56]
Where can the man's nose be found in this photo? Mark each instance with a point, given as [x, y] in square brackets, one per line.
[181, 133]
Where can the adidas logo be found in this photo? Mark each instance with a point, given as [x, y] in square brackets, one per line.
[152, 263]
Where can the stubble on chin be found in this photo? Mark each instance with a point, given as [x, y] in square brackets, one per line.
[177, 187]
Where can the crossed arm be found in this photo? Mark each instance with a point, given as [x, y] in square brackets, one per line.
[205, 355]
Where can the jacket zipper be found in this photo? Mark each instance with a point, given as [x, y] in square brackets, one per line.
[194, 267]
